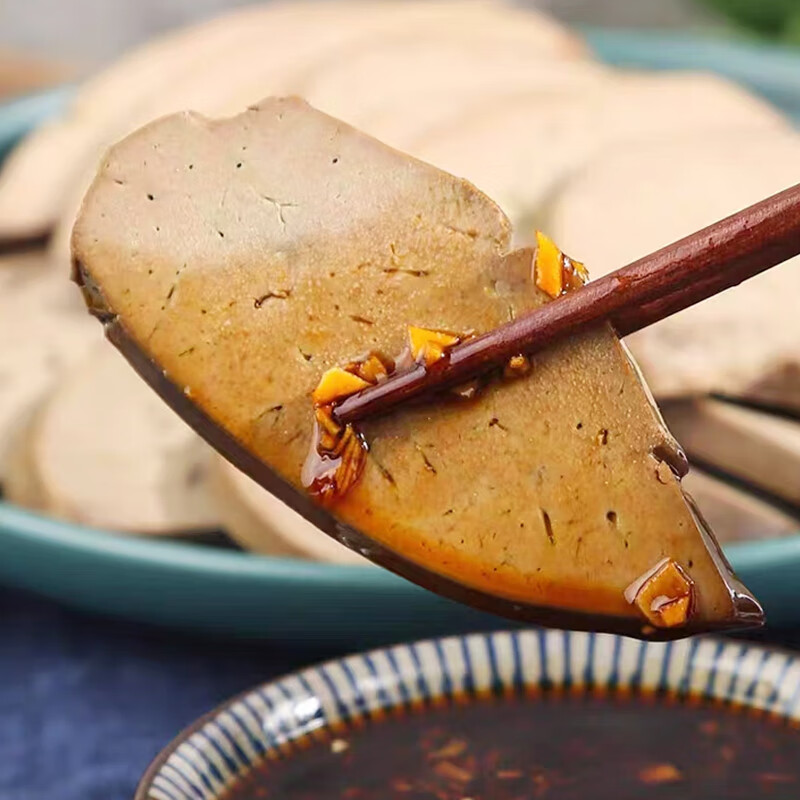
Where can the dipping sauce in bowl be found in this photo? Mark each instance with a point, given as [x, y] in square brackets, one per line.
[557, 746]
[516, 715]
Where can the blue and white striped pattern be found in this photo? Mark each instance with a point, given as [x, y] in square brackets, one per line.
[265, 722]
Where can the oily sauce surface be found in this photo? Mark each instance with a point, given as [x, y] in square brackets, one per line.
[567, 748]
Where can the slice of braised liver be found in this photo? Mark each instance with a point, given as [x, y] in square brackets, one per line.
[234, 261]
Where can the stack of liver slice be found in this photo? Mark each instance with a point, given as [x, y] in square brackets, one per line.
[506, 98]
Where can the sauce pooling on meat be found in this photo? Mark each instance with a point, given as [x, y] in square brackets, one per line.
[338, 451]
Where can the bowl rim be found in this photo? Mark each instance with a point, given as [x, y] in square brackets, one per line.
[764, 670]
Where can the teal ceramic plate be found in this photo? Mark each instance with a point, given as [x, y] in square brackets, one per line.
[505, 715]
[20, 116]
[205, 588]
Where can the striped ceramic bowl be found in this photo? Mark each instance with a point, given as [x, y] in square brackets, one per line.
[273, 720]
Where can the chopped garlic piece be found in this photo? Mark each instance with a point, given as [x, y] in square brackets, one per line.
[428, 345]
[335, 384]
[548, 269]
[554, 272]
[663, 594]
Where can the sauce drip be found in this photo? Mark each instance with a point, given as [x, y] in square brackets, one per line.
[337, 454]
[335, 458]
[318, 468]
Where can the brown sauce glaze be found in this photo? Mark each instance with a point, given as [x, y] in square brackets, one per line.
[568, 747]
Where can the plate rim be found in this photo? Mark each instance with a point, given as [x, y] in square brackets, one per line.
[32, 526]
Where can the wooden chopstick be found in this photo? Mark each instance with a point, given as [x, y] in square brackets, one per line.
[644, 292]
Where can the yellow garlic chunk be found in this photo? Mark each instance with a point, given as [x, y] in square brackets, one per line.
[664, 595]
[554, 272]
[548, 269]
[517, 367]
[429, 345]
[335, 384]
[372, 370]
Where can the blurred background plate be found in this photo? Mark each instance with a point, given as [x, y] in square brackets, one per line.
[201, 587]
[19, 116]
